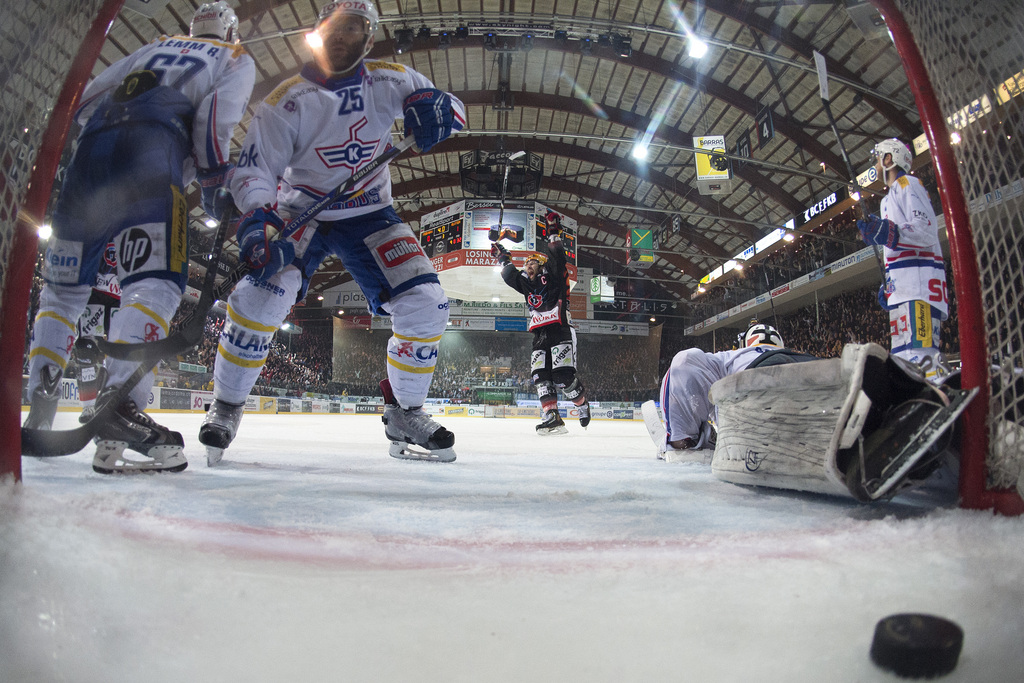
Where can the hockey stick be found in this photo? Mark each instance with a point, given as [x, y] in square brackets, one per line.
[42, 443]
[819, 64]
[192, 327]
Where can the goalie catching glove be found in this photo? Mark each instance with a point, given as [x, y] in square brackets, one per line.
[879, 231]
[265, 256]
[501, 253]
[428, 117]
[214, 195]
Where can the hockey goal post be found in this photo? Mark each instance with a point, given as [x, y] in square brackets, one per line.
[48, 50]
[965, 65]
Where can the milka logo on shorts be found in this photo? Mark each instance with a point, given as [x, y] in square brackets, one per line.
[397, 251]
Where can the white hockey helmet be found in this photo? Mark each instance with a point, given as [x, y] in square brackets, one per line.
[362, 8]
[215, 20]
[901, 155]
[760, 334]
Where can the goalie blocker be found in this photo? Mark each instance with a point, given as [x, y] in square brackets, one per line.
[864, 425]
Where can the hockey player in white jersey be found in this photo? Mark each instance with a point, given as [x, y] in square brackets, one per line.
[307, 137]
[914, 291]
[153, 122]
[685, 403]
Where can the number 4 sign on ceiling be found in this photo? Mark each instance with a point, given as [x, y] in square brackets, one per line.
[765, 127]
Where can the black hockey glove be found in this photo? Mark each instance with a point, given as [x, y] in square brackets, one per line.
[501, 253]
[213, 186]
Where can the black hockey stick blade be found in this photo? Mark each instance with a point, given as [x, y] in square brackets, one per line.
[191, 330]
[45, 443]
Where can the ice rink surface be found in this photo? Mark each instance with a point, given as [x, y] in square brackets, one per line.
[310, 555]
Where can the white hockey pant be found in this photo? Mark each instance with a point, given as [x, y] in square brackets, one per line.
[782, 426]
[419, 317]
[55, 328]
[147, 307]
[256, 309]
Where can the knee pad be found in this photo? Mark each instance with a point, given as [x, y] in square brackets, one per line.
[420, 312]
[155, 299]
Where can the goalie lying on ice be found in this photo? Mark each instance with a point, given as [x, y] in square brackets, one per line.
[864, 425]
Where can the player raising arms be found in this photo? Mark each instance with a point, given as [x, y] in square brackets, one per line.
[310, 135]
[545, 284]
[152, 121]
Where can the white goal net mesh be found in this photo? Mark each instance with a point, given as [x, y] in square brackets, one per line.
[974, 55]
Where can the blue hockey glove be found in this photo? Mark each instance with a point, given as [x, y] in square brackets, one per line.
[880, 231]
[266, 257]
[428, 117]
[214, 196]
[501, 253]
[883, 299]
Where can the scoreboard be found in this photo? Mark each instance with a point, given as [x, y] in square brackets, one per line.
[443, 237]
[457, 239]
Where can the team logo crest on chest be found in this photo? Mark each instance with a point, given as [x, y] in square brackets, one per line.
[352, 153]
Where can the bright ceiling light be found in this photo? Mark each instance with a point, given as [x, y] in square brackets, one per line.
[314, 40]
[698, 48]
[45, 232]
[640, 151]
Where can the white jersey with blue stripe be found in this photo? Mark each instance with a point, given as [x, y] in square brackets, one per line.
[313, 132]
[216, 77]
[914, 269]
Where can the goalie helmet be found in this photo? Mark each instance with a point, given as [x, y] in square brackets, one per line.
[362, 8]
[215, 20]
[901, 155]
[760, 334]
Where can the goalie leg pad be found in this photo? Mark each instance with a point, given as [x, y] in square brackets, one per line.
[782, 426]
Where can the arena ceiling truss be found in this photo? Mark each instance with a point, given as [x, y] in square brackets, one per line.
[579, 82]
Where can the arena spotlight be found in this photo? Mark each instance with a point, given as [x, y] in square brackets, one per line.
[527, 43]
[403, 40]
[424, 33]
[490, 41]
[586, 46]
[562, 36]
[444, 40]
[462, 33]
[604, 40]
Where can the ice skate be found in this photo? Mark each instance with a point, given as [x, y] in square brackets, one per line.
[219, 429]
[45, 398]
[127, 428]
[551, 424]
[905, 447]
[415, 436]
[584, 414]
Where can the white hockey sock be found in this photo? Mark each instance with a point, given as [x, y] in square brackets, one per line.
[147, 307]
[55, 328]
[419, 317]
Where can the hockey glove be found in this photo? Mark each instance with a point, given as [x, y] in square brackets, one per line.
[880, 231]
[501, 253]
[428, 117]
[553, 225]
[214, 196]
[266, 257]
[883, 299]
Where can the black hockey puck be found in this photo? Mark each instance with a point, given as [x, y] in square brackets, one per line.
[917, 645]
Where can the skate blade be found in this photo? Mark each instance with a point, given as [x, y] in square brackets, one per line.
[552, 431]
[110, 459]
[213, 455]
[405, 451]
[919, 445]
